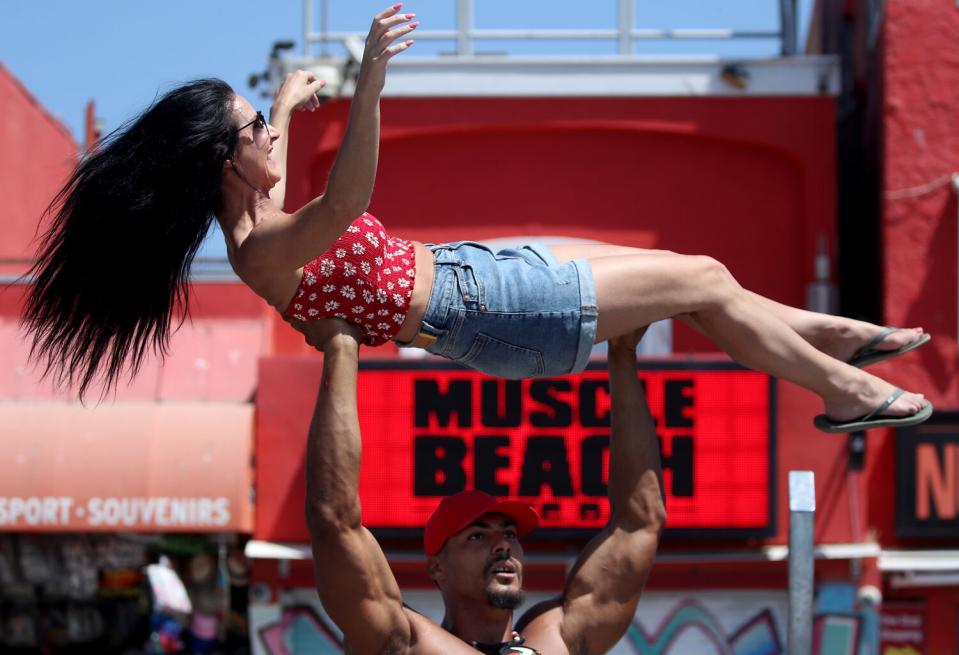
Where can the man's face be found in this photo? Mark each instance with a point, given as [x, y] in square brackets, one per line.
[483, 562]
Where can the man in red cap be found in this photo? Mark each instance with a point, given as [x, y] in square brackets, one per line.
[472, 542]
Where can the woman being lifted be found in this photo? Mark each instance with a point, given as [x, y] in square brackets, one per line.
[114, 267]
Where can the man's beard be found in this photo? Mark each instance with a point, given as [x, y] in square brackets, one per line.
[504, 599]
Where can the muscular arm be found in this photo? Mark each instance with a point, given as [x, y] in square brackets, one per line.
[297, 238]
[354, 581]
[605, 584]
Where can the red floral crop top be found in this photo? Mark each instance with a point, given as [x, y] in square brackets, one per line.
[365, 277]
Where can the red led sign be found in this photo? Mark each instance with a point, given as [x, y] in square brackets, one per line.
[430, 432]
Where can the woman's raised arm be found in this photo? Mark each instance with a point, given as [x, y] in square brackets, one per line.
[298, 91]
[297, 238]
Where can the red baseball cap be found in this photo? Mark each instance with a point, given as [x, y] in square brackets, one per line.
[459, 510]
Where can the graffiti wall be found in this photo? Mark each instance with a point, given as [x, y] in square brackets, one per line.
[720, 622]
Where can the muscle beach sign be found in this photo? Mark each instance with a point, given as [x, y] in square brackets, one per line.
[432, 431]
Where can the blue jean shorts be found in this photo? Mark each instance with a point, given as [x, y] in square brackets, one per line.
[516, 313]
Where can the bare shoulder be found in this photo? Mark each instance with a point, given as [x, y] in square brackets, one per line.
[427, 638]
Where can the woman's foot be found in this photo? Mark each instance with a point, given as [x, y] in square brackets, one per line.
[849, 338]
[873, 393]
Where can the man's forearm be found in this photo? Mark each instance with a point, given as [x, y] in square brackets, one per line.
[635, 488]
[605, 584]
[333, 447]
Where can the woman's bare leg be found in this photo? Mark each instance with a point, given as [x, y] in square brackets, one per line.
[635, 290]
[837, 336]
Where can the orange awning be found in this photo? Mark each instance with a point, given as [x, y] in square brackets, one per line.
[129, 467]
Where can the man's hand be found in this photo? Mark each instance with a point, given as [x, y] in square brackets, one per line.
[627, 343]
[328, 332]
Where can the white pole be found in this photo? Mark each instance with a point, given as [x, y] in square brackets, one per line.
[464, 27]
[802, 514]
[307, 25]
[625, 19]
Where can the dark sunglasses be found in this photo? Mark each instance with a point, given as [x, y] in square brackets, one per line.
[259, 128]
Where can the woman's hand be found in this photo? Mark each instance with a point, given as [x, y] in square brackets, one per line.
[298, 91]
[387, 27]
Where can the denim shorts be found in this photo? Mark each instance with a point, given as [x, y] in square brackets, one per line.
[516, 313]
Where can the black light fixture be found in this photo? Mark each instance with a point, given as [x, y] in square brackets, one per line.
[256, 78]
[856, 451]
[735, 74]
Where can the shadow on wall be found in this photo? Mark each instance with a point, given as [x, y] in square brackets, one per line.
[935, 306]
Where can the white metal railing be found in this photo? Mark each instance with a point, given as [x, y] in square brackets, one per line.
[625, 34]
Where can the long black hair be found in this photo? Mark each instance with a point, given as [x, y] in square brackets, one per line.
[115, 262]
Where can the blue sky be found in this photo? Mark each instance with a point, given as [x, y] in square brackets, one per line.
[121, 53]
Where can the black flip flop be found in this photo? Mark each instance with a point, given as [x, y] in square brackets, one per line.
[868, 354]
[874, 419]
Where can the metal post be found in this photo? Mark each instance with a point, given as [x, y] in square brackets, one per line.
[307, 25]
[625, 27]
[464, 27]
[787, 21]
[802, 514]
[324, 26]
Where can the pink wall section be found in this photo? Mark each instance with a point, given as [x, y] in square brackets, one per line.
[213, 356]
[37, 155]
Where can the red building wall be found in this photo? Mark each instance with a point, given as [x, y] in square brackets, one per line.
[921, 140]
[919, 219]
[750, 181]
[37, 155]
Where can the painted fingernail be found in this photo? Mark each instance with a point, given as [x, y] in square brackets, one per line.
[413, 26]
[397, 5]
[409, 16]
[409, 43]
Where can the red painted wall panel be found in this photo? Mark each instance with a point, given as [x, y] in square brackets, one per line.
[921, 141]
[37, 155]
[749, 181]
[920, 214]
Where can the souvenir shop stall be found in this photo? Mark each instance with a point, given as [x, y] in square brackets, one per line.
[122, 527]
